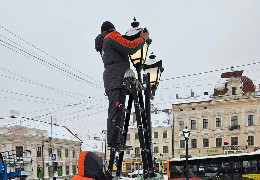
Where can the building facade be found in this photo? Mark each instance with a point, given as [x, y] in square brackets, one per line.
[226, 122]
[27, 145]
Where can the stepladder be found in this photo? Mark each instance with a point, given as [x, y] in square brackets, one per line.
[135, 92]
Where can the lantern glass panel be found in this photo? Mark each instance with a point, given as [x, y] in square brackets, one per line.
[140, 55]
[153, 75]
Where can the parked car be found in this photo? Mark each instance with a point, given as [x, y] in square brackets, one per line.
[136, 173]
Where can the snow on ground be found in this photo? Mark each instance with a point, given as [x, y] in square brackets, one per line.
[165, 177]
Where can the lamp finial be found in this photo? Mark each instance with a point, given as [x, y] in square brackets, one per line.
[135, 23]
[152, 56]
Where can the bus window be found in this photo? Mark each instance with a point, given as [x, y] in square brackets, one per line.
[250, 166]
[177, 171]
[236, 167]
[226, 167]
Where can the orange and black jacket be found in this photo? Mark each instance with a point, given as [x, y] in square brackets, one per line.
[115, 50]
[90, 167]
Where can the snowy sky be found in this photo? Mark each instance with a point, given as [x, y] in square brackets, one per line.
[190, 36]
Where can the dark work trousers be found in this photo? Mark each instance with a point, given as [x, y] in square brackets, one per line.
[114, 96]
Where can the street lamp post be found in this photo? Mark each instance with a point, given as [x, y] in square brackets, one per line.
[151, 76]
[186, 134]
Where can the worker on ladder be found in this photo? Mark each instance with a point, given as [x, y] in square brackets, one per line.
[115, 51]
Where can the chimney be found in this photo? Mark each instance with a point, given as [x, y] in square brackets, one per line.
[192, 94]
[155, 111]
[206, 93]
[14, 113]
[134, 117]
[177, 96]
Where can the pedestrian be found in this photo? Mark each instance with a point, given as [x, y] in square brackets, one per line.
[115, 51]
[1, 158]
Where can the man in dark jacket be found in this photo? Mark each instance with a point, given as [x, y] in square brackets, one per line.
[115, 51]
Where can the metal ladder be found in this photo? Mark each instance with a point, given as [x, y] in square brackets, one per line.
[133, 88]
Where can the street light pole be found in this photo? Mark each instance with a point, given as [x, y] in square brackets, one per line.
[186, 134]
[187, 168]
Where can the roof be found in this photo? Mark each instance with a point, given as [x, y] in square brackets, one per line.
[196, 99]
[221, 87]
[59, 132]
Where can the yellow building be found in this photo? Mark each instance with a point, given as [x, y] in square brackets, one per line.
[226, 122]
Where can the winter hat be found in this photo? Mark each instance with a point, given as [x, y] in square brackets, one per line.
[106, 26]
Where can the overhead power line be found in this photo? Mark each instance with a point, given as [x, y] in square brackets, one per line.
[84, 102]
[49, 64]
[34, 97]
[26, 80]
[207, 72]
[47, 53]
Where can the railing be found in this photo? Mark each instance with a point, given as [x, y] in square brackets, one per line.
[135, 155]
[234, 149]
[231, 128]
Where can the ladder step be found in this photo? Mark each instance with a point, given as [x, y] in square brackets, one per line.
[121, 148]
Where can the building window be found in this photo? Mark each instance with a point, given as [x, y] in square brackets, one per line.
[181, 123]
[193, 143]
[39, 152]
[205, 142]
[181, 109]
[74, 169]
[155, 134]
[218, 122]
[192, 108]
[234, 90]
[128, 152]
[19, 151]
[59, 152]
[73, 154]
[50, 151]
[128, 166]
[136, 136]
[182, 143]
[165, 149]
[234, 121]
[205, 107]
[164, 134]
[218, 142]
[66, 153]
[205, 123]
[156, 150]
[137, 150]
[250, 120]
[250, 140]
[128, 137]
[67, 170]
[193, 124]
[59, 170]
[234, 141]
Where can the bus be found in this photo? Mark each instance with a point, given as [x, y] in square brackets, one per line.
[244, 166]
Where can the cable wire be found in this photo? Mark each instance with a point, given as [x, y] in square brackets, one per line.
[50, 65]
[47, 53]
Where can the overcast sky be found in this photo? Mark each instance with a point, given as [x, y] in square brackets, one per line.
[190, 36]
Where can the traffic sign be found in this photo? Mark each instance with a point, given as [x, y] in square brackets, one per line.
[53, 156]
[105, 162]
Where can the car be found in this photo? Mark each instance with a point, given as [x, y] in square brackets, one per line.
[136, 173]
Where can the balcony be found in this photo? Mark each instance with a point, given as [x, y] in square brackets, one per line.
[135, 155]
[234, 149]
[231, 128]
